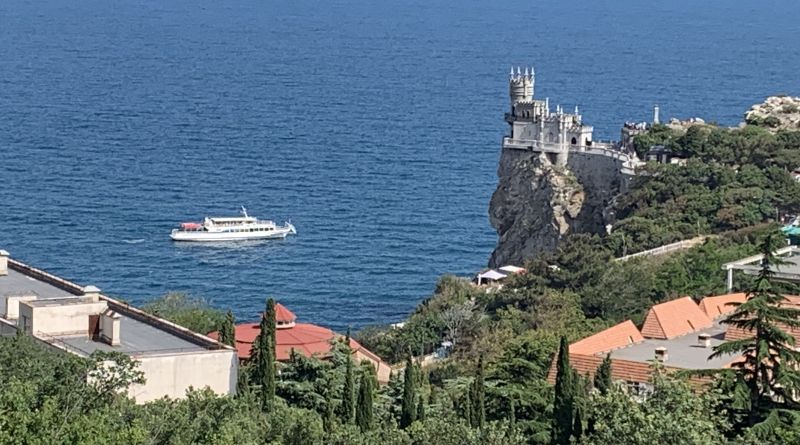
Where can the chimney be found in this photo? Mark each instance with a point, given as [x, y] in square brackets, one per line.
[704, 340]
[110, 327]
[661, 354]
[91, 292]
[3, 262]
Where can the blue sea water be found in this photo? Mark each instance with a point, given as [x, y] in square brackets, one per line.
[373, 125]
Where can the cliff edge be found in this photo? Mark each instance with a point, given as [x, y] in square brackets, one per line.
[533, 207]
[536, 204]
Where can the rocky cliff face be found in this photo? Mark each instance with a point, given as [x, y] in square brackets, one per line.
[776, 113]
[536, 204]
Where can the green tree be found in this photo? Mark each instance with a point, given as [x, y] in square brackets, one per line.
[602, 378]
[227, 330]
[190, 312]
[364, 409]
[769, 365]
[478, 398]
[408, 412]
[263, 356]
[348, 390]
[672, 414]
[564, 403]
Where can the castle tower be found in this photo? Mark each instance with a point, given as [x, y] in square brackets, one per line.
[520, 86]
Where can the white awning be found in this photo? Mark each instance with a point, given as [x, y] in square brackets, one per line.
[490, 275]
[511, 269]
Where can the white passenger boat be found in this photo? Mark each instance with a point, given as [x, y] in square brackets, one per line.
[238, 228]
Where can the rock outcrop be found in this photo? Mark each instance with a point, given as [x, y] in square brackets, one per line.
[776, 113]
[533, 207]
[537, 204]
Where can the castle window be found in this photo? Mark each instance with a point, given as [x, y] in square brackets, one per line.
[574, 141]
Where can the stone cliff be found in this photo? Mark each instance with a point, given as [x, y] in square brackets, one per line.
[536, 203]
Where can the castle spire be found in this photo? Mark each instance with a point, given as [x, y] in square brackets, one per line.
[576, 110]
[518, 71]
[526, 71]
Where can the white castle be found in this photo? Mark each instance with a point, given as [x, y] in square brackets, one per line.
[535, 127]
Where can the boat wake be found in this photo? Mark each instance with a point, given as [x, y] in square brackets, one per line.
[134, 241]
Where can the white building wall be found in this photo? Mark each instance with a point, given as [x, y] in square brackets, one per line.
[171, 375]
[64, 319]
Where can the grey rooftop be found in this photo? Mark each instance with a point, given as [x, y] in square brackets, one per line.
[682, 352]
[140, 333]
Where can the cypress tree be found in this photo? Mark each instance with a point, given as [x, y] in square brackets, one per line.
[577, 428]
[564, 403]
[602, 378]
[348, 390]
[768, 369]
[364, 408]
[478, 397]
[264, 352]
[227, 331]
[408, 411]
[467, 408]
[420, 408]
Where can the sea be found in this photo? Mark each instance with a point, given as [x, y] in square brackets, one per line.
[374, 126]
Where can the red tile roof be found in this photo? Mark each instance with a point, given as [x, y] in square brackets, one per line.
[614, 337]
[625, 370]
[674, 318]
[720, 305]
[283, 315]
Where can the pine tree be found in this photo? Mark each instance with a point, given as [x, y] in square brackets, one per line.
[478, 398]
[408, 412]
[564, 403]
[264, 354]
[512, 412]
[364, 413]
[769, 366]
[227, 330]
[348, 390]
[602, 378]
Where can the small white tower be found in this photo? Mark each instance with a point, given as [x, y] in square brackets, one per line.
[520, 85]
[655, 115]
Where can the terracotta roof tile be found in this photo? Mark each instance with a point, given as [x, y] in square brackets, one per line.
[614, 337]
[283, 315]
[720, 305]
[674, 318]
[624, 370]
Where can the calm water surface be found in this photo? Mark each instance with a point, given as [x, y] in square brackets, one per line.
[373, 126]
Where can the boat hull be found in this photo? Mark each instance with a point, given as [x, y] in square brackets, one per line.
[199, 236]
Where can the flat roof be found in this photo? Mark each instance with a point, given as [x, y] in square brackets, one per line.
[682, 352]
[17, 283]
[136, 338]
[140, 333]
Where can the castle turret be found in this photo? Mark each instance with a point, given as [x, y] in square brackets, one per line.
[520, 86]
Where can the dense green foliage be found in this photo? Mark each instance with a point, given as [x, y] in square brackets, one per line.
[732, 179]
[189, 312]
